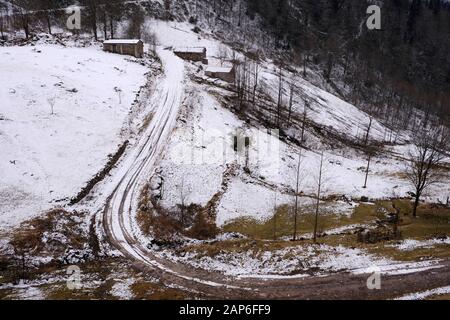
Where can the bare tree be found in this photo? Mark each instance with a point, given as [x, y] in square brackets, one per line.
[222, 54]
[2, 25]
[319, 190]
[92, 6]
[297, 190]
[183, 198]
[280, 96]
[256, 75]
[275, 214]
[24, 20]
[367, 170]
[119, 94]
[366, 139]
[305, 114]
[291, 101]
[52, 101]
[396, 220]
[151, 38]
[167, 9]
[425, 159]
[46, 9]
[135, 28]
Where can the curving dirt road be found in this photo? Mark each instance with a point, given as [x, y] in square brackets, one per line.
[123, 234]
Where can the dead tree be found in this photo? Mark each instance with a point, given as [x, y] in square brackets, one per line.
[425, 159]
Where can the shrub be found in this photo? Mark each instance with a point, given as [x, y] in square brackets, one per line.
[193, 20]
[379, 234]
[203, 228]
[165, 228]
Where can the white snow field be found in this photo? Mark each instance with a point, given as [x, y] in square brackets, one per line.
[47, 157]
[426, 294]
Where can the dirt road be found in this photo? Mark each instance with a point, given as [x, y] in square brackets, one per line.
[122, 233]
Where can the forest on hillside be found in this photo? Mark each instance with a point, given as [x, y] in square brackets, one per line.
[385, 72]
[406, 63]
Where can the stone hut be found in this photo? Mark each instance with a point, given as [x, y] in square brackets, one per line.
[192, 54]
[227, 74]
[130, 47]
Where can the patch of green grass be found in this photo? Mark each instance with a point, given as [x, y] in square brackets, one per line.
[431, 221]
[253, 247]
[61, 292]
[442, 297]
[282, 223]
[384, 249]
[152, 291]
[5, 293]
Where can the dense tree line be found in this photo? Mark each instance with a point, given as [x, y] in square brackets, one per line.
[387, 72]
[405, 64]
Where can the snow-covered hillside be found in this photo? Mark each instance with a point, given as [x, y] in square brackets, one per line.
[46, 157]
[199, 160]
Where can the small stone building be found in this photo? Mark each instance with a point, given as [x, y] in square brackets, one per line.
[227, 74]
[125, 46]
[192, 54]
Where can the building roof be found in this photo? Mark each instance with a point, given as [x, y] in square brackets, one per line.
[122, 41]
[190, 49]
[219, 69]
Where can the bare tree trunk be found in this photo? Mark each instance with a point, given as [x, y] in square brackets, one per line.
[93, 9]
[49, 22]
[111, 26]
[275, 218]
[291, 102]
[367, 170]
[304, 124]
[294, 238]
[25, 24]
[425, 160]
[1, 25]
[105, 24]
[256, 79]
[416, 204]
[305, 59]
[366, 140]
[396, 220]
[319, 189]
[280, 98]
